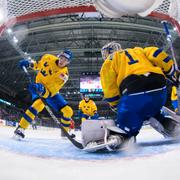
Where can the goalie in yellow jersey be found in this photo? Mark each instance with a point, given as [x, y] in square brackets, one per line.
[87, 109]
[52, 74]
[134, 84]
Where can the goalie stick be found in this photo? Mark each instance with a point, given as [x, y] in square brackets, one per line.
[170, 42]
[169, 39]
[73, 141]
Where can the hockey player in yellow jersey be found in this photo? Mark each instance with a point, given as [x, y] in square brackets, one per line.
[52, 74]
[134, 84]
[87, 109]
[174, 98]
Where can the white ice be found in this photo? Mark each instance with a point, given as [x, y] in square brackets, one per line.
[44, 155]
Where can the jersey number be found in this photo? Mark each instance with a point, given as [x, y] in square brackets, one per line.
[44, 72]
[132, 61]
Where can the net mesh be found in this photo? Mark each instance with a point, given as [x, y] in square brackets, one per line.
[18, 8]
[164, 7]
[23, 7]
[23, 10]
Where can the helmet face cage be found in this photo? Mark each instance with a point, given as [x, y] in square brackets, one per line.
[110, 48]
[86, 97]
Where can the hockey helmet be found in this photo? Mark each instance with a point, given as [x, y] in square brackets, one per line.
[86, 96]
[67, 54]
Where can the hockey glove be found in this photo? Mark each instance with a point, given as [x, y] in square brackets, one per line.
[96, 116]
[24, 63]
[37, 88]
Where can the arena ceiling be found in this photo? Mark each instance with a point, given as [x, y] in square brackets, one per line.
[83, 34]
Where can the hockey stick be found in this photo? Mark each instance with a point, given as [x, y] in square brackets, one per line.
[73, 141]
[169, 39]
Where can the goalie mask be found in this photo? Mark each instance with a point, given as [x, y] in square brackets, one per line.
[109, 48]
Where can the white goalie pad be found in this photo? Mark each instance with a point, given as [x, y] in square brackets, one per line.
[171, 128]
[157, 126]
[94, 130]
[171, 113]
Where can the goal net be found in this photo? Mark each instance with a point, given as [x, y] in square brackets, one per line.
[13, 11]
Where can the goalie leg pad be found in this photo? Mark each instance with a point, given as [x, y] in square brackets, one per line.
[167, 126]
[100, 135]
[115, 142]
[94, 130]
[171, 126]
[157, 126]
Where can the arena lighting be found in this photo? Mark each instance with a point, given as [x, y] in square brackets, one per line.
[6, 102]
[15, 39]
[175, 29]
[9, 31]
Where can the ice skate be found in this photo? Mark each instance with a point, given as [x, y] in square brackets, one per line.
[114, 142]
[63, 136]
[121, 139]
[19, 133]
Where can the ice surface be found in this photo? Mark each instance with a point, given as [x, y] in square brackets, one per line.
[44, 155]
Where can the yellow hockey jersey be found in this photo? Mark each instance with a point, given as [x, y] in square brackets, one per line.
[126, 62]
[89, 108]
[49, 73]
